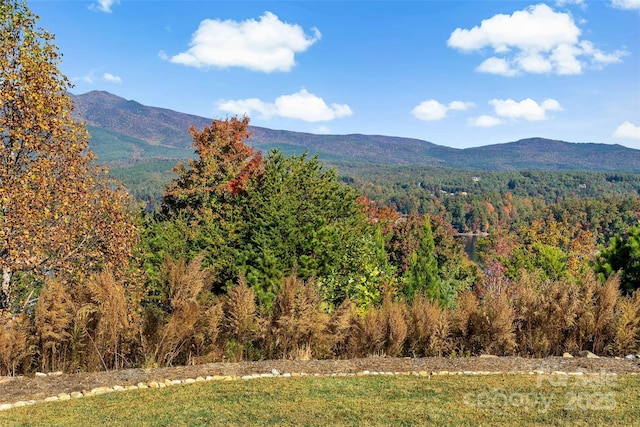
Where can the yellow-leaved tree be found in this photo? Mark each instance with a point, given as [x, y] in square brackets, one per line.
[61, 217]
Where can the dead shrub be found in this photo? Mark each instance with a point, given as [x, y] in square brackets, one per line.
[53, 317]
[380, 331]
[395, 326]
[172, 337]
[607, 296]
[462, 319]
[581, 335]
[626, 335]
[341, 328]
[546, 312]
[240, 324]
[492, 325]
[297, 325]
[108, 325]
[428, 328]
[368, 335]
[15, 346]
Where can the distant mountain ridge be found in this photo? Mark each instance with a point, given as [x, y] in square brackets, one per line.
[126, 131]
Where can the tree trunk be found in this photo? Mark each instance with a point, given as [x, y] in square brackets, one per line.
[5, 301]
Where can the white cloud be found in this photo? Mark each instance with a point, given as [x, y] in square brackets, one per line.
[626, 4]
[104, 5]
[580, 3]
[111, 78]
[301, 105]
[460, 105]
[322, 130]
[431, 110]
[91, 78]
[495, 65]
[527, 109]
[248, 106]
[534, 40]
[627, 130]
[265, 45]
[484, 121]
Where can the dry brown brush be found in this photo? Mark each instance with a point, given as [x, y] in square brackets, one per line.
[15, 344]
[180, 334]
[297, 325]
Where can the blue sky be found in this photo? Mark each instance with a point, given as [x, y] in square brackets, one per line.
[454, 73]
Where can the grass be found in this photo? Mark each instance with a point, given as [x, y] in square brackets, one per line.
[518, 400]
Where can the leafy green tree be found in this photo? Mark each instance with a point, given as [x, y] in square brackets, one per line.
[202, 205]
[623, 256]
[298, 216]
[363, 275]
[422, 274]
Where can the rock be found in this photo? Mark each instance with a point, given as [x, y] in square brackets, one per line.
[76, 394]
[40, 374]
[99, 390]
[567, 355]
[199, 379]
[118, 388]
[142, 385]
[588, 354]
[5, 406]
[64, 396]
[488, 356]
[55, 374]
[131, 387]
[275, 372]
[20, 404]
[189, 381]
[630, 356]
[153, 384]
[168, 382]
[51, 399]
[286, 375]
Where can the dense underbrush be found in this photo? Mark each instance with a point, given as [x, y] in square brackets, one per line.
[98, 328]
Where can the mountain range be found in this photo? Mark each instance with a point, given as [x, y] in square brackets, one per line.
[125, 132]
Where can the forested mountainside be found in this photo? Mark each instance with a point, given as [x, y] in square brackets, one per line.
[126, 132]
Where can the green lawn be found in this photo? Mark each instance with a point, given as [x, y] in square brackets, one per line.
[372, 400]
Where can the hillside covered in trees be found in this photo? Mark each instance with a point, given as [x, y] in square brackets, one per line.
[249, 255]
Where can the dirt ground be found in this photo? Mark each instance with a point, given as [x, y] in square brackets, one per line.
[35, 388]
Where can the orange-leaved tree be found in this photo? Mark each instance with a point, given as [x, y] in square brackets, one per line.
[60, 215]
[222, 169]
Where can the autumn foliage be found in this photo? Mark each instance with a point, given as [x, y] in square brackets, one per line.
[61, 215]
[222, 168]
[254, 257]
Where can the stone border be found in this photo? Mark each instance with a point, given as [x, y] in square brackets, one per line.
[276, 374]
